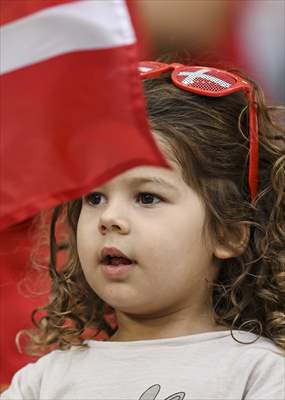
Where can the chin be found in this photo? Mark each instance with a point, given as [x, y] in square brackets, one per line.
[126, 305]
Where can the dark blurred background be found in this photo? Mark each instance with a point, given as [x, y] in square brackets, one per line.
[248, 34]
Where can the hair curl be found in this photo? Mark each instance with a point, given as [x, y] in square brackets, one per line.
[209, 139]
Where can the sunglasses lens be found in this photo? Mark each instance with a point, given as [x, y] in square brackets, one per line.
[149, 69]
[209, 81]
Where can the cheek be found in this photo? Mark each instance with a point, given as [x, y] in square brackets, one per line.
[176, 230]
[179, 240]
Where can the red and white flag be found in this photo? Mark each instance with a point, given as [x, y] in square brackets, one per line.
[72, 104]
[72, 116]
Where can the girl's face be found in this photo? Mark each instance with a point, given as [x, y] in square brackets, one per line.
[153, 217]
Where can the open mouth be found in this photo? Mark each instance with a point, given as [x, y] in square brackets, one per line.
[117, 267]
[109, 260]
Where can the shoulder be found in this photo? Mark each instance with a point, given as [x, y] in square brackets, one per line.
[267, 376]
[57, 359]
[246, 345]
[251, 343]
[263, 363]
[27, 382]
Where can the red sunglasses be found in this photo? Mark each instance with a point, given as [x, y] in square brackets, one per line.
[208, 81]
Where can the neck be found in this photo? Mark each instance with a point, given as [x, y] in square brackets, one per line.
[168, 325]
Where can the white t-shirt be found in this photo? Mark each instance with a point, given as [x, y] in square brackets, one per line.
[206, 366]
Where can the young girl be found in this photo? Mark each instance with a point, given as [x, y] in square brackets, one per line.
[182, 269]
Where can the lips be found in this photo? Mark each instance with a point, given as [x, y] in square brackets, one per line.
[114, 256]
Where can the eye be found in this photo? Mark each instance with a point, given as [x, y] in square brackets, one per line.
[148, 198]
[94, 199]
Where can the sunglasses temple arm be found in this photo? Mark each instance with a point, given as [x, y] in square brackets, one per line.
[253, 148]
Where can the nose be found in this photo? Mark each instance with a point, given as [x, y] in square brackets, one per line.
[113, 221]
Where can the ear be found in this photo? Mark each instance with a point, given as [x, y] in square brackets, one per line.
[232, 244]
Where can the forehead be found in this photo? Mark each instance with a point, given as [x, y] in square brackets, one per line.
[169, 178]
[148, 174]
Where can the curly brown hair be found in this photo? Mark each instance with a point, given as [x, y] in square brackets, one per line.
[209, 139]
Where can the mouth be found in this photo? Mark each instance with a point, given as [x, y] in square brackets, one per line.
[114, 256]
[116, 261]
[115, 264]
[117, 267]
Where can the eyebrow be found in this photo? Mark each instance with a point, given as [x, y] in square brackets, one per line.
[155, 180]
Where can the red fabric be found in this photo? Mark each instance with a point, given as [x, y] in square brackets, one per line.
[15, 303]
[88, 125]
[68, 124]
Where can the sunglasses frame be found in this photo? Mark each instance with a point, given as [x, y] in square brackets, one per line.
[152, 69]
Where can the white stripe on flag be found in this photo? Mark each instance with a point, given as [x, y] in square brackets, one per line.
[62, 29]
